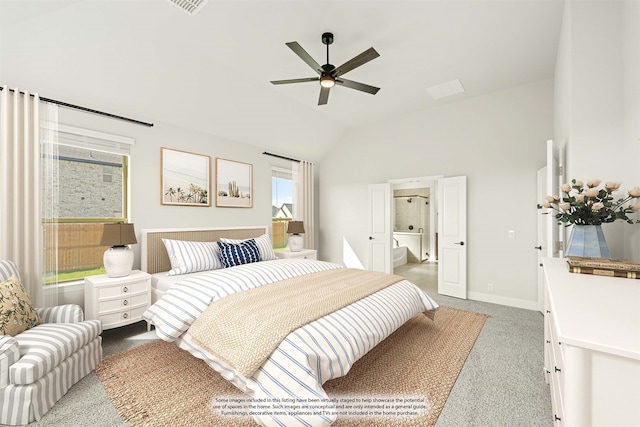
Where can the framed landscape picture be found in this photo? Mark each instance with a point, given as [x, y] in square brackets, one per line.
[234, 184]
[185, 178]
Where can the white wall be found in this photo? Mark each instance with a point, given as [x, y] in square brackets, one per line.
[145, 206]
[597, 101]
[497, 140]
[146, 209]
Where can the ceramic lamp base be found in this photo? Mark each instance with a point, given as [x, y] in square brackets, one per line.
[118, 261]
[295, 243]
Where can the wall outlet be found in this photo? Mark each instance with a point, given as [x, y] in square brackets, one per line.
[511, 234]
[490, 287]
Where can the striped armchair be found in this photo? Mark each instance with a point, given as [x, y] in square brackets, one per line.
[38, 366]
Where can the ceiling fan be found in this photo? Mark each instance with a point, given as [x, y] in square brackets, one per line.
[329, 75]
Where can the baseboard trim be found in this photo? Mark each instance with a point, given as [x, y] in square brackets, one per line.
[511, 302]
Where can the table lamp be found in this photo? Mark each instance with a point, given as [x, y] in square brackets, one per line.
[118, 259]
[295, 228]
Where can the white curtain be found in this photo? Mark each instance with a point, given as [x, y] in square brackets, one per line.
[20, 188]
[304, 203]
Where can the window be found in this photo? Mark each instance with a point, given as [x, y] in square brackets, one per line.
[92, 188]
[282, 205]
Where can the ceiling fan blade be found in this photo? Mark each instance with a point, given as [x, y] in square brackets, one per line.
[294, 46]
[303, 80]
[359, 60]
[358, 86]
[324, 96]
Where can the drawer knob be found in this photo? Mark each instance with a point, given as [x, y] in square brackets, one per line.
[125, 289]
[125, 302]
[125, 315]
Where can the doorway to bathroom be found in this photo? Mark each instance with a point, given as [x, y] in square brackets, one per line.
[415, 231]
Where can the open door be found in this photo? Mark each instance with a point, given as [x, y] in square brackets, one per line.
[452, 236]
[548, 183]
[380, 228]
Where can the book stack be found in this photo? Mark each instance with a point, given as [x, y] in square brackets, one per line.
[611, 267]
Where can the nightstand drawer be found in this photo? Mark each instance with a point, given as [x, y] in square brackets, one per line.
[303, 254]
[122, 303]
[121, 318]
[114, 291]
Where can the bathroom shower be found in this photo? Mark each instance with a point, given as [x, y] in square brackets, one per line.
[412, 222]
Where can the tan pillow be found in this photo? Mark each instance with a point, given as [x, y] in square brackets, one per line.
[16, 310]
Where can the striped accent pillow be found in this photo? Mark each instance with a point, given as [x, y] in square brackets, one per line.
[189, 257]
[232, 254]
[265, 246]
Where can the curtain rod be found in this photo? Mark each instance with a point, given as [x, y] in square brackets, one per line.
[88, 110]
[281, 157]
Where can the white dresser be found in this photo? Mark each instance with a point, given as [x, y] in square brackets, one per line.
[117, 301]
[592, 347]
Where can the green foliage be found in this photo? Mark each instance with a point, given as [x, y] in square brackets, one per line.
[589, 205]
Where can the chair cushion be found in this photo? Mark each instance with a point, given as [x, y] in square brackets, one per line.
[45, 346]
[8, 268]
[16, 311]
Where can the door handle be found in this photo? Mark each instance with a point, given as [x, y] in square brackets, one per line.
[371, 238]
[459, 243]
[538, 247]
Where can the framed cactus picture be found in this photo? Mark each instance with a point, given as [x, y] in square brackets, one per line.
[185, 178]
[234, 184]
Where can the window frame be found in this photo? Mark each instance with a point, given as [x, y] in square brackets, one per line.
[91, 140]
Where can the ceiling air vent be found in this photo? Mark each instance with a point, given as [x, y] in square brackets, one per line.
[445, 89]
[190, 6]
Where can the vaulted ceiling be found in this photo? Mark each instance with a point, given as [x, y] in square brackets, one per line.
[211, 71]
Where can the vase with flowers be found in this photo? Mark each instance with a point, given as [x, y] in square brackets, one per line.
[586, 208]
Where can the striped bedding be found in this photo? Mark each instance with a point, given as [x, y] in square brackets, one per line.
[319, 351]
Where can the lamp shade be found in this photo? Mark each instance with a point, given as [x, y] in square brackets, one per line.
[118, 259]
[118, 235]
[295, 227]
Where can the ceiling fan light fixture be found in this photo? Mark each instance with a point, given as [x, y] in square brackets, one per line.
[327, 81]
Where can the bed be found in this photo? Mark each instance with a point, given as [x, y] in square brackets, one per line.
[297, 361]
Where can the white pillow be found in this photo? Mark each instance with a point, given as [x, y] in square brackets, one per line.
[189, 257]
[264, 246]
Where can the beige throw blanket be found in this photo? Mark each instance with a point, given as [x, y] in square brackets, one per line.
[244, 328]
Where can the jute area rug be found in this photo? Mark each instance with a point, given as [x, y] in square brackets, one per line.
[158, 384]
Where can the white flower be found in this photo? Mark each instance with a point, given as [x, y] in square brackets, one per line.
[592, 192]
[592, 204]
[634, 192]
[612, 186]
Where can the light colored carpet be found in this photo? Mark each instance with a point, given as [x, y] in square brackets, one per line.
[500, 385]
[157, 384]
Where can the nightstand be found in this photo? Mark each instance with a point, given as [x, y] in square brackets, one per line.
[117, 301]
[305, 253]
